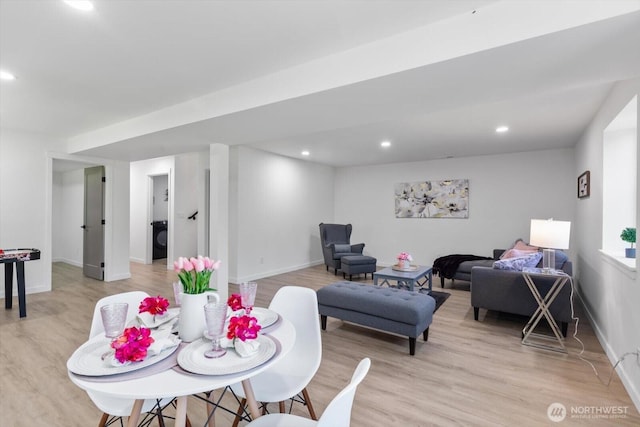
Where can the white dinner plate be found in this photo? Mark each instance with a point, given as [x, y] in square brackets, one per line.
[147, 320]
[265, 316]
[87, 360]
[192, 359]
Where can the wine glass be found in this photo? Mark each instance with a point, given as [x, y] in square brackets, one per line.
[114, 317]
[215, 314]
[248, 295]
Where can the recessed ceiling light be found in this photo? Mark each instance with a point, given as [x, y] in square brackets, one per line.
[502, 129]
[84, 5]
[5, 75]
[385, 144]
[305, 153]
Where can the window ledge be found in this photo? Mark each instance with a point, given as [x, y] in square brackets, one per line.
[626, 265]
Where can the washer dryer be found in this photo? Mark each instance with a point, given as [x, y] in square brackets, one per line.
[159, 239]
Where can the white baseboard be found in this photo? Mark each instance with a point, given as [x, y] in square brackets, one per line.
[121, 276]
[621, 370]
[138, 260]
[68, 261]
[283, 270]
[30, 290]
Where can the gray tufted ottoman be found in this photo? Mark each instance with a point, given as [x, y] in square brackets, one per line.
[392, 310]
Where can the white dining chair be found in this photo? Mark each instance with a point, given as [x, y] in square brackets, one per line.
[289, 378]
[112, 407]
[337, 414]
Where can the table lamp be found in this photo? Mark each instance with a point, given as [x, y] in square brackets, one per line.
[549, 235]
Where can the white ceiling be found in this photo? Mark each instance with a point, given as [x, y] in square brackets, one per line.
[78, 73]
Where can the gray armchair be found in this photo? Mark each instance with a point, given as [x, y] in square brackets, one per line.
[335, 241]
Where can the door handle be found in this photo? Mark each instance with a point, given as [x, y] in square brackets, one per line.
[84, 227]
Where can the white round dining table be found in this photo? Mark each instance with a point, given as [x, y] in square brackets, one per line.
[171, 383]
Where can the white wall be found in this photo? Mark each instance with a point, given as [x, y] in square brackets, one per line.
[610, 291]
[116, 230]
[57, 217]
[187, 190]
[23, 196]
[68, 212]
[276, 206]
[505, 193]
[160, 198]
[203, 201]
[139, 220]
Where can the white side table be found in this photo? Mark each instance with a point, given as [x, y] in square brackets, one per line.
[528, 336]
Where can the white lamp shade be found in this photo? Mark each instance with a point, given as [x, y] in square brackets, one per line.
[547, 233]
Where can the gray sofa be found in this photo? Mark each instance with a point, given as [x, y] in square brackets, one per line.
[463, 272]
[506, 291]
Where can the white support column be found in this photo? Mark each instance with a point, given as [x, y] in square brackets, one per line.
[219, 212]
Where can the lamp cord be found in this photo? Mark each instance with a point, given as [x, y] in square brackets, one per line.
[581, 354]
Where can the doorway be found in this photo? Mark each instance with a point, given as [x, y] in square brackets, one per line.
[159, 216]
[93, 224]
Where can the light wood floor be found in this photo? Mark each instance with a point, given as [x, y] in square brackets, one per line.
[469, 373]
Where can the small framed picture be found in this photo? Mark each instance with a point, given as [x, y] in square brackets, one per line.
[584, 185]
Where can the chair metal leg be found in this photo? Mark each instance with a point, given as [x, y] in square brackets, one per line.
[239, 413]
[307, 400]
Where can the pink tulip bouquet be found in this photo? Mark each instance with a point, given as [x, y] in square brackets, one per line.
[195, 273]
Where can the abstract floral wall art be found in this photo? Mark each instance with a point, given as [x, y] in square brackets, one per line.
[432, 199]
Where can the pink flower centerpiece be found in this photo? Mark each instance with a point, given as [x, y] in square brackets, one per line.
[241, 328]
[195, 273]
[404, 260]
[235, 302]
[132, 345]
[154, 306]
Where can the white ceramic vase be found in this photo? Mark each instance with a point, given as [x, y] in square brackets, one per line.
[191, 324]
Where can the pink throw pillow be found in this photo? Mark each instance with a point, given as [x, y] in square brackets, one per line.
[515, 253]
[522, 246]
